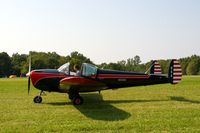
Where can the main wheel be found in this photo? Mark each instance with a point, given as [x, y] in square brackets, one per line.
[37, 99]
[78, 100]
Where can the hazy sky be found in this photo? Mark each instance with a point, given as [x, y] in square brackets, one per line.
[103, 30]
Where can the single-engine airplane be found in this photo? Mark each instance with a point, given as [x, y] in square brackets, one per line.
[93, 79]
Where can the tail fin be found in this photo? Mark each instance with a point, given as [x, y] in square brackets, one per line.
[155, 68]
[175, 72]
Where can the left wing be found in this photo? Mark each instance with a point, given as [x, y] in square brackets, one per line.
[81, 84]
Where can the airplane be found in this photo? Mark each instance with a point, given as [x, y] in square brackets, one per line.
[92, 78]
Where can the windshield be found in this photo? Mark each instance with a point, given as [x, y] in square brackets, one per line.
[88, 70]
[64, 68]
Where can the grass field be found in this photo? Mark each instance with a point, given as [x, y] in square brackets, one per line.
[157, 108]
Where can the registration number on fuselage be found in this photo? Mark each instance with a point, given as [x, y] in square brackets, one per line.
[122, 80]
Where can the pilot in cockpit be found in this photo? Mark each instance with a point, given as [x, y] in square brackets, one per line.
[77, 70]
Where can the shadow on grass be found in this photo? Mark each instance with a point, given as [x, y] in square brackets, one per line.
[96, 108]
[131, 101]
[58, 103]
[182, 99]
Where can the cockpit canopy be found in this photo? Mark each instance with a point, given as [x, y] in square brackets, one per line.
[64, 68]
[87, 70]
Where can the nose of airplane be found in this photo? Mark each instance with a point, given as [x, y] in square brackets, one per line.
[29, 80]
[28, 74]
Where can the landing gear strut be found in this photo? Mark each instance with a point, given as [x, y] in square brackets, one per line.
[75, 97]
[38, 99]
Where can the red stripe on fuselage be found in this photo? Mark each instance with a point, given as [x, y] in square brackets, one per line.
[122, 76]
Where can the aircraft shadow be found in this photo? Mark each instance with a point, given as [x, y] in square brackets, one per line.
[182, 99]
[96, 108]
[57, 103]
[131, 101]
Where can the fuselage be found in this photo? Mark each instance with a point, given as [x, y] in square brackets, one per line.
[54, 81]
[90, 78]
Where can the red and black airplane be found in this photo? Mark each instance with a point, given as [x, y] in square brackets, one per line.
[93, 79]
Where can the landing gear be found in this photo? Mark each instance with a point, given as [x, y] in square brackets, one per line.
[75, 97]
[38, 99]
[72, 94]
[78, 100]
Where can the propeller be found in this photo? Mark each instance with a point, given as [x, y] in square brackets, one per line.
[29, 84]
[28, 74]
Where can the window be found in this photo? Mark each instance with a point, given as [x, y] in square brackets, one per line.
[64, 68]
[88, 70]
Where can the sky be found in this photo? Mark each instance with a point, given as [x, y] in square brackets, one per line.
[103, 30]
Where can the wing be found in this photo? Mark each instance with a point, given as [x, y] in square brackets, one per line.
[81, 84]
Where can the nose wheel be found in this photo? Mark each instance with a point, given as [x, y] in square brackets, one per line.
[37, 99]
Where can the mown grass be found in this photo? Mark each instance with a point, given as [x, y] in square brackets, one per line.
[157, 108]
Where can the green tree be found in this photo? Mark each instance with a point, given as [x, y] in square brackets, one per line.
[39, 60]
[5, 64]
[103, 65]
[77, 58]
[62, 60]
[17, 62]
[193, 67]
[140, 68]
[122, 65]
[184, 63]
[130, 63]
[53, 60]
[164, 64]
[137, 60]
[114, 66]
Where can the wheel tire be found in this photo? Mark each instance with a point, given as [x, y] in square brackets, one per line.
[78, 100]
[37, 99]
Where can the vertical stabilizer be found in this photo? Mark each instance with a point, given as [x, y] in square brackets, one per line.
[155, 68]
[175, 72]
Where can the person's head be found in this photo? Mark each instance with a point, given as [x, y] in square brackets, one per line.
[76, 67]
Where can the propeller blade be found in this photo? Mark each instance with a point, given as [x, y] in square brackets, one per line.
[29, 80]
[28, 74]
[29, 66]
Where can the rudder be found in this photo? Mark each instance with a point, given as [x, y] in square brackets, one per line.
[175, 72]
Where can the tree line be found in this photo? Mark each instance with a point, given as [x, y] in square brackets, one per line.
[17, 64]
[190, 65]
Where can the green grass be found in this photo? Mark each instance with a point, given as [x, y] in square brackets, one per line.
[157, 108]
